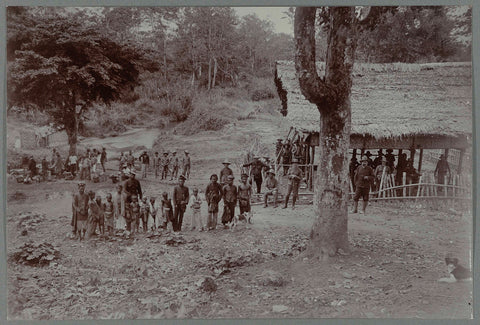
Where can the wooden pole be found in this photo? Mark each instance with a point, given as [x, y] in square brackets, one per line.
[460, 161]
[420, 159]
[404, 182]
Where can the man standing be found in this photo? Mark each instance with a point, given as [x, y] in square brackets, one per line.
[145, 161]
[80, 211]
[363, 177]
[229, 200]
[225, 172]
[378, 160]
[256, 172]
[131, 187]
[130, 161]
[180, 199]
[272, 188]
[72, 164]
[352, 168]
[32, 166]
[287, 156]
[103, 159]
[175, 165]
[278, 150]
[442, 170]
[213, 195]
[379, 172]
[156, 163]
[165, 164]
[390, 159]
[186, 165]
[295, 175]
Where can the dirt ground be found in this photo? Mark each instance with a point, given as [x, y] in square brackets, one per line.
[252, 271]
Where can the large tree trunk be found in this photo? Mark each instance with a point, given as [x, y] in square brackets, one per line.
[332, 97]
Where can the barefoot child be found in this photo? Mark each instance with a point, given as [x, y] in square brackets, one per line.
[195, 204]
[144, 212]
[108, 212]
[135, 213]
[101, 216]
[153, 207]
[244, 195]
[167, 211]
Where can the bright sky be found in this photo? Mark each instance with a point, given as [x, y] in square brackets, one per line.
[274, 14]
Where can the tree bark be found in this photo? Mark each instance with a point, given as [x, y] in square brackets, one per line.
[331, 94]
[215, 68]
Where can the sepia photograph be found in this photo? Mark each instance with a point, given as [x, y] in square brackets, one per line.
[239, 162]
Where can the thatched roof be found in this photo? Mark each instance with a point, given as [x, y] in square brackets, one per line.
[392, 100]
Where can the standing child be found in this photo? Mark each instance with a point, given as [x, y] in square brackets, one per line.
[229, 200]
[175, 165]
[244, 195]
[109, 214]
[134, 213]
[195, 204]
[144, 212]
[101, 216]
[153, 208]
[167, 211]
[93, 215]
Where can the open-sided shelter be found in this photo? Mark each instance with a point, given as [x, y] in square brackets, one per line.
[399, 106]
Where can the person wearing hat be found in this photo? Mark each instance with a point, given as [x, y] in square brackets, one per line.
[382, 168]
[295, 175]
[213, 195]
[364, 175]
[441, 170]
[145, 161]
[271, 184]
[229, 200]
[225, 172]
[180, 198]
[175, 166]
[130, 160]
[186, 164]
[80, 211]
[165, 163]
[256, 172]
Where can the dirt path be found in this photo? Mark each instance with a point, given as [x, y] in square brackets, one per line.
[392, 271]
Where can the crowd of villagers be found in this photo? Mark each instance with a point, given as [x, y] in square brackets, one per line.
[129, 211]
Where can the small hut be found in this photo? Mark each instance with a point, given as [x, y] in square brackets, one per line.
[399, 106]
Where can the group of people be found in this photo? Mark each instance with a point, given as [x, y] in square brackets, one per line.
[163, 166]
[286, 151]
[130, 211]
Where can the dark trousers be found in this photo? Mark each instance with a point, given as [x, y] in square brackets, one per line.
[165, 172]
[292, 187]
[258, 181]
[178, 217]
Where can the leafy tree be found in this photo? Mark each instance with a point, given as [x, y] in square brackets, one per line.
[60, 63]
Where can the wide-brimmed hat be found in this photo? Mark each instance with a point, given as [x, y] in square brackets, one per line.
[186, 151]
[226, 162]
[81, 183]
[364, 158]
[271, 171]
[230, 177]
[132, 172]
[368, 153]
[182, 177]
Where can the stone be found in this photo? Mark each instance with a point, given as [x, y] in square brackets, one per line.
[279, 308]
[272, 278]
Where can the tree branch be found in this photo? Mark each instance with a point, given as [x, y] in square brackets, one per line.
[311, 85]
